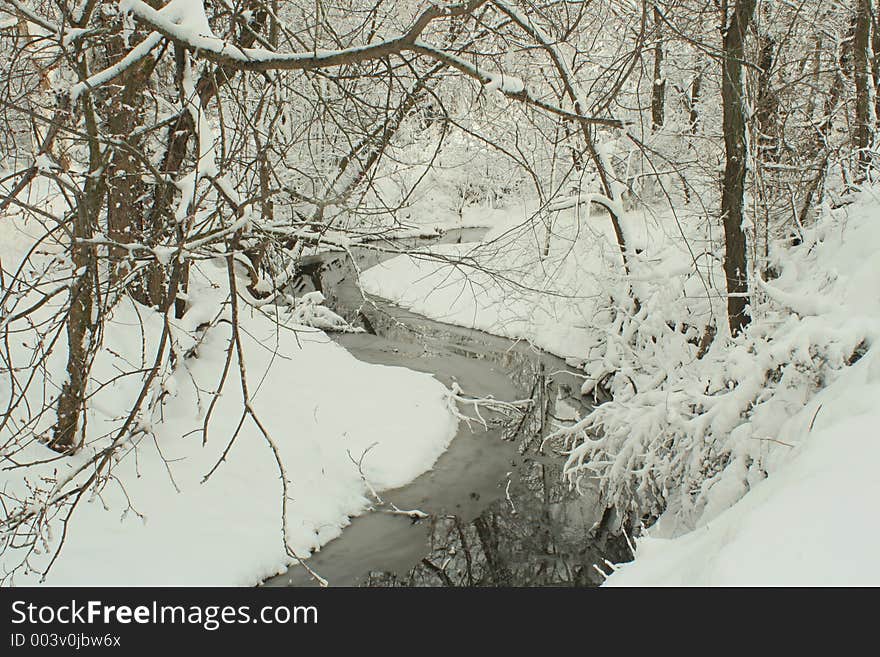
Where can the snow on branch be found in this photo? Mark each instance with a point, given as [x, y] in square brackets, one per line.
[690, 430]
[569, 202]
[184, 21]
[568, 78]
[135, 55]
[457, 396]
[508, 85]
[803, 305]
[33, 17]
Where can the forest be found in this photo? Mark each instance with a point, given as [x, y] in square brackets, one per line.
[432, 293]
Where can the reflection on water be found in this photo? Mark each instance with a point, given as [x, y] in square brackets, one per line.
[539, 533]
[501, 513]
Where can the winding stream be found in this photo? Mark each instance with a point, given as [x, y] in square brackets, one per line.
[500, 513]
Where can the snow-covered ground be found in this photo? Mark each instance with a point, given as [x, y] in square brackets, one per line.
[512, 285]
[777, 433]
[789, 410]
[156, 522]
[810, 523]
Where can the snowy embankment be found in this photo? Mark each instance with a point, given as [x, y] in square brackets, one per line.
[811, 521]
[156, 522]
[512, 284]
[762, 449]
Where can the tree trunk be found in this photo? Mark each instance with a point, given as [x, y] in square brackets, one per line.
[658, 86]
[733, 187]
[767, 104]
[696, 87]
[82, 318]
[864, 128]
[125, 187]
[80, 333]
[158, 220]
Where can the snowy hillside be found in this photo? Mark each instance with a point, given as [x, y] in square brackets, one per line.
[156, 520]
[810, 522]
[567, 281]
[776, 431]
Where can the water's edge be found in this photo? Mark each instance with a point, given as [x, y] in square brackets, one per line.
[500, 512]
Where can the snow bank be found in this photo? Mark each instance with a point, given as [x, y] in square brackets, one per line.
[810, 522]
[155, 522]
[446, 288]
[761, 450]
[520, 285]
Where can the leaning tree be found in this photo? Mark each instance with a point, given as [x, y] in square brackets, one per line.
[145, 138]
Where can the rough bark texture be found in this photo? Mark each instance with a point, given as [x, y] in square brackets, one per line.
[767, 103]
[658, 86]
[696, 86]
[733, 185]
[125, 187]
[157, 223]
[80, 333]
[82, 325]
[864, 128]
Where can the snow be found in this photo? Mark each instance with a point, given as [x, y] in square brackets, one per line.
[505, 83]
[505, 286]
[205, 164]
[310, 311]
[155, 522]
[808, 524]
[187, 15]
[102, 77]
[186, 21]
[756, 451]
[810, 521]
[796, 489]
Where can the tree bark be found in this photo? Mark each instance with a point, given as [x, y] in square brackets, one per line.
[658, 84]
[694, 117]
[864, 128]
[125, 187]
[82, 320]
[733, 186]
[767, 103]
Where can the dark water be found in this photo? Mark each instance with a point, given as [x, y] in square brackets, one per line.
[500, 512]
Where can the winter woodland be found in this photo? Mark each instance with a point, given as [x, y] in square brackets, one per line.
[678, 199]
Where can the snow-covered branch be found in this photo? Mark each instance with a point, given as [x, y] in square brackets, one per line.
[184, 22]
[135, 55]
[509, 85]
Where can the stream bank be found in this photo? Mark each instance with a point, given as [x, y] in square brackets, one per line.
[500, 513]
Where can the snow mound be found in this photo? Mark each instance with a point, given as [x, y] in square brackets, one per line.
[157, 520]
[310, 311]
[818, 439]
[757, 452]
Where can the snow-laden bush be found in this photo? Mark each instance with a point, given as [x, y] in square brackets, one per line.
[309, 310]
[689, 429]
[696, 418]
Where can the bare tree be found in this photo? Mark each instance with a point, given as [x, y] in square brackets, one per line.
[144, 123]
[736, 25]
[865, 118]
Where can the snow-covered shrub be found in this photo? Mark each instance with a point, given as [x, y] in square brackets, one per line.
[691, 432]
[310, 311]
